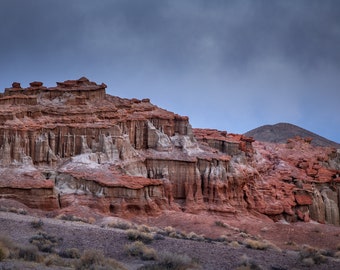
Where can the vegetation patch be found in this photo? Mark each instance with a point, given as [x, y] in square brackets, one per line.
[172, 261]
[139, 249]
[123, 225]
[221, 224]
[255, 244]
[45, 242]
[72, 253]
[248, 264]
[37, 224]
[310, 256]
[93, 259]
[136, 235]
[29, 253]
[195, 237]
[69, 217]
[4, 252]
[19, 211]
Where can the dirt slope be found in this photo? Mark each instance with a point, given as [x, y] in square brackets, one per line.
[279, 133]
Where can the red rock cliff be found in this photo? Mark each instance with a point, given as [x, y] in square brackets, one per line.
[74, 145]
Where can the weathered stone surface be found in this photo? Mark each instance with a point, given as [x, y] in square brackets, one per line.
[16, 85]
[74, 145]
[36, 84]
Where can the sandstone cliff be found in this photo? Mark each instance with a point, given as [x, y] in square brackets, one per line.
[74, 145]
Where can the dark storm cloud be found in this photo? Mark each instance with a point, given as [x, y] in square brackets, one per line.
[267, 60]
[236, 32]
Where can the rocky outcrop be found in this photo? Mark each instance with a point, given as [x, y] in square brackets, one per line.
[306, 176]
[281, 132]
[73, 145]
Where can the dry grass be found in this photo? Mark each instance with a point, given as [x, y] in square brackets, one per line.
[195, 237]
[4, 252]
[37, 224]
[338, 247]
[69, 217]
[42, 243]
[45, 242]
[310, 255]
[29, 253]
[123, 225]
[19, 211]
[72, 253]
[172, 261]
[139, 249]
[221, 224]
[255, 244]
[93, 259]
[136, 235]
[248, 264]
[10, 250]
[54, 259]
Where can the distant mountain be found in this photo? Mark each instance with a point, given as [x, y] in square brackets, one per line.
[279, 133]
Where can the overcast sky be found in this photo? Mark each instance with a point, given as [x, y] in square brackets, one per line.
[231, 65]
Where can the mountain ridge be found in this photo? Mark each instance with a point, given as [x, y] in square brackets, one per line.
[281, 132]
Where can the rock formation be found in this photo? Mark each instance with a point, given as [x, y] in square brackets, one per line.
[74, 145]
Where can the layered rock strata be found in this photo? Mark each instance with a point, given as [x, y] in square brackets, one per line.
[74, 145]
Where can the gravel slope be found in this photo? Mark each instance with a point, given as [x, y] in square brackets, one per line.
[83, 236]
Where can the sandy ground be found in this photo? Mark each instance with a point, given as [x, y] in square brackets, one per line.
[210, 255]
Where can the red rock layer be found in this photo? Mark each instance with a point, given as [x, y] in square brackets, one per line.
[73, 145]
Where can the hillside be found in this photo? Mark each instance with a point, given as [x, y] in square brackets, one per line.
[73, 151]
[72, 148]
[281, 132]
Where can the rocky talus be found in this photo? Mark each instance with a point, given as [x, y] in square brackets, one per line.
[73, 145]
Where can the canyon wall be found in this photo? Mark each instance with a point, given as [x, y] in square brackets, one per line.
[73, 145]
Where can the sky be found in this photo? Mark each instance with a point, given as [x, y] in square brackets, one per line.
[231, 65]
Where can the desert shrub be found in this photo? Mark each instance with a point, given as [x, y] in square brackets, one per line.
[158, 236]
[234, 244]
[327, 252]
[169, 230]
[6, 242]
[138, 248]
[93, 260]
[255, 244]
[308, 261]
[337, 254]
[13, 210]
[4, 253]
[223, 238]
[6, 247]
[69, 217]
[144, 228]
[37, 224]
[195, 237]
[90, 259]
[244, 235]
[54, 259]
[45, 242]
[172, 261]
[123, 225]
[29, 253]
[178, 235]
[338, 247]
[312, 255]
[291, 243]
[22, 211]
[248, 264]
[220, 224]
[72, 253]
[136, 235]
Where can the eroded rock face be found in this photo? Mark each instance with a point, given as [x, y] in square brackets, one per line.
[73, 145]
